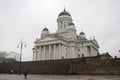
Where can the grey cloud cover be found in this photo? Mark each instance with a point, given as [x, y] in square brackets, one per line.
[27, 18]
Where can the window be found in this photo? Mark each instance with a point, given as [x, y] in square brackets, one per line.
[82, 55]
[37, 47]
[78, 49]
[62, 57]
[61, 24]
[78, 55]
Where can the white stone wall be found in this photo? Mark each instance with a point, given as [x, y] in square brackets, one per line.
[71, 34]
[94, 52]
[86, 49]
[61, 51]
[69, 52]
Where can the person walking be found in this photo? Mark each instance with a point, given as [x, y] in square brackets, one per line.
[25, 74]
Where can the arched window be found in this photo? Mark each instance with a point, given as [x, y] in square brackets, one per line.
[61, 24]
[82, 55]
[78, 55]
[64, 24]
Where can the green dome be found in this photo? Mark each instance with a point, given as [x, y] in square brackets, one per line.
[82, 33]
[45, 29]
[64, 13]
[71, 24]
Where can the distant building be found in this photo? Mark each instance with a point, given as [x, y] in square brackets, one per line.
[2, 56]
[64, 43]
[105, 56]
[13, 55]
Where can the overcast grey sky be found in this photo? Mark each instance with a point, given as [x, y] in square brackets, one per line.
[26, 19]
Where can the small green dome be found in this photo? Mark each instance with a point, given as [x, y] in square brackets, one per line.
[71, 24]
[45, 29]
[82, 33]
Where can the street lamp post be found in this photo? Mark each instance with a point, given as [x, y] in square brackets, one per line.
[21, 44]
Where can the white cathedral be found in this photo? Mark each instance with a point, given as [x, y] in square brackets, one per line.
[65, 43]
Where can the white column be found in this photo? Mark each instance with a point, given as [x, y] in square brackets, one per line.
[63, 51]
[59, 53]
[40, 55]
[91, 51]
[44, 55]
[36, 54]
[33, 56]
[42, 52]
[49, 54]
[54, 51]
[73, 52]
[82, 50]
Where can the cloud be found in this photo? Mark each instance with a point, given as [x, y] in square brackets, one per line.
[27, 18]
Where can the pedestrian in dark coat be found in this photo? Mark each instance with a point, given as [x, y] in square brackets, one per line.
[25, 74]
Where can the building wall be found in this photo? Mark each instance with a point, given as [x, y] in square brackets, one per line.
[65, 21]
[72, 50]
[82, 66]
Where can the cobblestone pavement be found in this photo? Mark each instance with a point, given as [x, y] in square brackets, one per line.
[57, 77]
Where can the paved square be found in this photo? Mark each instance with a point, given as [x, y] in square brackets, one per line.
[57, 77]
